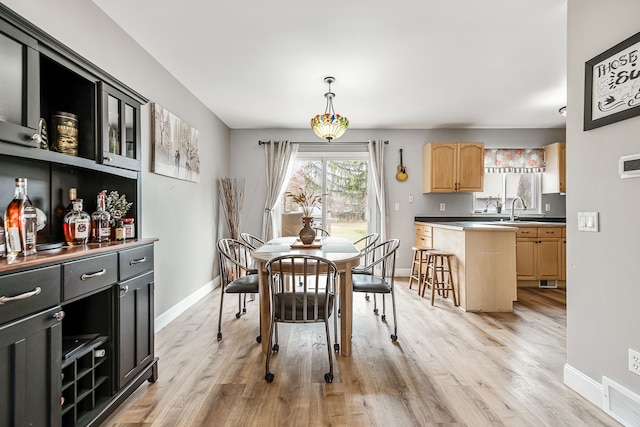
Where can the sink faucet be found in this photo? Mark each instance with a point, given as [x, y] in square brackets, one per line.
[513, 202]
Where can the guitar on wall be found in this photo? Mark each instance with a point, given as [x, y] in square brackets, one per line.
[401, 175]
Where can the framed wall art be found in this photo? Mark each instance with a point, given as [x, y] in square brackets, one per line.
[175, 146]
[612, 84]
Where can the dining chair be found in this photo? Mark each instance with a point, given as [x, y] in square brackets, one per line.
[376, 277]
[238, 275]
[364, 244]
[314, 303]
[251, 240]
[321, 232]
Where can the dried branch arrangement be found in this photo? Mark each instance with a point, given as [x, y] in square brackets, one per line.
[231, 192]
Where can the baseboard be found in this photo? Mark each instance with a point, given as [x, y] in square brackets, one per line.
[402, 272]
[583, 385]
[172, 313]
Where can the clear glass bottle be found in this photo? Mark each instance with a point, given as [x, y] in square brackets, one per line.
[20, 223]
[73, 194]
[77, 225]
[100, 229]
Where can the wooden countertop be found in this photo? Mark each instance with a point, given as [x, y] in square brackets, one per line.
[68, 252]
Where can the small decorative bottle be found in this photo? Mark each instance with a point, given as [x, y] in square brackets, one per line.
[77, 225]
[120, 233]
[20, 223]
[100, 230]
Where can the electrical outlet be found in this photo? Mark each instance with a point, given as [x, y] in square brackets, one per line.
[547, 207]
[397, 206]
[634, 362]
[442, 207]
[410, 198]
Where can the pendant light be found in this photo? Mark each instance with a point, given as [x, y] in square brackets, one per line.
[329, 125]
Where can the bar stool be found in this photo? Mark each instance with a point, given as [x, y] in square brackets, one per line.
[419, 266]
[439, 265]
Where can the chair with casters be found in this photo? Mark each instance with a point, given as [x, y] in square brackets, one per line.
[376, 277]
[314, 303]
[364, 244]
[238, 275]
[251, 240]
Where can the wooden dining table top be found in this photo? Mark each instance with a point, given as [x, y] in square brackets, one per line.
[339, 250]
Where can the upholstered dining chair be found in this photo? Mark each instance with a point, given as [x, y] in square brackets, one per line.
[376, 277]
[238, 275]
[251, 240]
[314, 303]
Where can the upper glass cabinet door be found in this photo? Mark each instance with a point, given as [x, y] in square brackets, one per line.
[19, 86]
[120, 129]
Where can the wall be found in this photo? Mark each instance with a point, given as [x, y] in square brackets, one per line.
[602, 280]
[247, 159]
[181, 214]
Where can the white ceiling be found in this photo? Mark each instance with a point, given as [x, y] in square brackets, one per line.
[406, 64]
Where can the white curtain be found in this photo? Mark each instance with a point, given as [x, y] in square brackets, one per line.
[279, 157]
[376, 160]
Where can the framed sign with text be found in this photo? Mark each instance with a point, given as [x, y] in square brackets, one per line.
[612, 84]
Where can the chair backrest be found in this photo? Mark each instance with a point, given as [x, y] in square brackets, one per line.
[321, 232]
[382, 258]
[251, 240]
[312, 301]
[364, 244]
[235, 260]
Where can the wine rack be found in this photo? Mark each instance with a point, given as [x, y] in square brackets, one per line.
[85, 378]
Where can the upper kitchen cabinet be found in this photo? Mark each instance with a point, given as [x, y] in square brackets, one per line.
[554, 176]
[120, 129]
[20, 87]
[452, 167]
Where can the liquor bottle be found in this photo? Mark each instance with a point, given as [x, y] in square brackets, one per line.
[100, 230]
[77, 225]
[119, 231]
[1, 236]
[20, 223]
[73, 194]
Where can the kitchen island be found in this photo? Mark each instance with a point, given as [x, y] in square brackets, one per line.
[484, 266]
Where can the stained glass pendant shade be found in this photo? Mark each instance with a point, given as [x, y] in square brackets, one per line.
[329, 125]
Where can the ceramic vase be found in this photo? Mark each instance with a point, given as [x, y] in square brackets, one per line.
[307, 234]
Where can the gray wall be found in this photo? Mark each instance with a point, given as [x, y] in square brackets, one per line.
[247, 159]
[180, 213]
[602, 282]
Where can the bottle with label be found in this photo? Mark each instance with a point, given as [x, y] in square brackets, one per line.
[119, 231]
[20, 223]
[1, 236]
[77, 225]
[129, 228]
[100, 229]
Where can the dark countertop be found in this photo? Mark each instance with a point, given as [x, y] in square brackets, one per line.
[487, 219]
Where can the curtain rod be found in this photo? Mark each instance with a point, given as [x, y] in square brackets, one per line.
[322, 143]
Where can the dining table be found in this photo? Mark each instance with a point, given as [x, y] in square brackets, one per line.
[339, 250]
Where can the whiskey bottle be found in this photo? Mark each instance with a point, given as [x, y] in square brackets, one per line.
[73, 194]
[20, 223]
[77, 225]
[100, 230]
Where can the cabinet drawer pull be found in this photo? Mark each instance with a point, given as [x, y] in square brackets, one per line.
[86, 276]
[138, 261]
[59, 315]
[26, 295]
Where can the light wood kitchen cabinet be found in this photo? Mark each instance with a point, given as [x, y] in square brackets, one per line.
[452, 167]
[554, 175]
[424, 236]
[564, 254]
[539, 253]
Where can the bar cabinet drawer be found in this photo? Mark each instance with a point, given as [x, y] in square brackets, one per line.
[28, 292]
[527, 232]
[87, 275]
[549, 232]
[135, 261]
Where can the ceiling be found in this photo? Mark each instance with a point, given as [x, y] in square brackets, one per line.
[407, 64]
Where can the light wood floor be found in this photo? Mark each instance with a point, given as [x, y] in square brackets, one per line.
[448, 368]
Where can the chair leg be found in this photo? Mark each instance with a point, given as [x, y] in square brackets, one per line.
[328, 377]
[239, 313]
[268, 376]
[384, 308]
[336, 345]
[220, 314]
[394, 336]
[375, 305]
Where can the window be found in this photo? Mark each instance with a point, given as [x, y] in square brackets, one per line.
[501, 188]
[343, 180]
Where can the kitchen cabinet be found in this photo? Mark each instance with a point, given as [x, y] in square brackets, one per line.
[120, 128]
[554, 175]
[539, 253]
[452, 167]
[424, 235]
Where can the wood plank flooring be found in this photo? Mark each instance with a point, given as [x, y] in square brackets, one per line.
[448, 368]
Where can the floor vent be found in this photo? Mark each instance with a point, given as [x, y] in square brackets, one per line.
[621, 403]
[548, 284]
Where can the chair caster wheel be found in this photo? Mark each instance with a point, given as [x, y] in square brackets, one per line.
[384, 317]
[259, 339]
[238, 315]
[394, 337]
[276, 347]
[219, 336]
[244, 311]
[269, 377]
[336, 347]
[328, 377]
[375, 311]
[366, 298]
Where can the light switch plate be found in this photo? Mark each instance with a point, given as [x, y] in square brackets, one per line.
[588, 221]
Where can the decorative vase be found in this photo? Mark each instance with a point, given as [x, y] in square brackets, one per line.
[307, 234]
